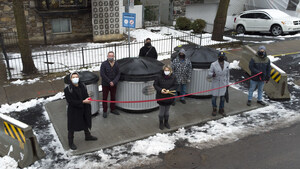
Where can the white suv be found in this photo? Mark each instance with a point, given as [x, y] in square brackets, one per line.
[266, 20]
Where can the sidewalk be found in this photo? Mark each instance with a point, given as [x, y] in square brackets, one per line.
[127, 127]
[10, 93]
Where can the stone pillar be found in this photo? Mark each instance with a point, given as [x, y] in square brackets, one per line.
[107, 20]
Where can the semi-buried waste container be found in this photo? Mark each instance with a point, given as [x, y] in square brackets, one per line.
[136, 83]
[91, 81]
[201, 58]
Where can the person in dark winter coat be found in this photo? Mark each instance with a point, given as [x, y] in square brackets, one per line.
[79, 110]
[219, 74]
[148, 50]
[165, 85]
[110, 75]
[259, 63]
[182, 68]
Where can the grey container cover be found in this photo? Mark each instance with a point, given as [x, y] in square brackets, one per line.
[139, 69]
[201, 57]
[136, 83]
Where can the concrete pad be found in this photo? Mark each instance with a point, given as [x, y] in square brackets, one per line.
[115, 130]
[3, 98]
[16, 93]
[58, 85]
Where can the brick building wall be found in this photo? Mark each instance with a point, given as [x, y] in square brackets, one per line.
[81, 23]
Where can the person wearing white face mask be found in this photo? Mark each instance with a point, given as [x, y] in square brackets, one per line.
[79, 110]
[165, 85]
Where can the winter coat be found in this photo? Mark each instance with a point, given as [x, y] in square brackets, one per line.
[167, 82]
[221, 78]
[148, 52]
[79, 114]
[109, 74]
[258, 64]
[182, 70]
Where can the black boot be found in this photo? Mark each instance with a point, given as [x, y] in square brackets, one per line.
[161, 123]
[71, 142]
[88, 136]
[214, 112]
[166, 122]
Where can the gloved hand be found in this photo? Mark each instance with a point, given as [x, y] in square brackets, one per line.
[214, 75]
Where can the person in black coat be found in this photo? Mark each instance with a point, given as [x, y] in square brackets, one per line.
[165, 85]
[148, 50]
[79, 110]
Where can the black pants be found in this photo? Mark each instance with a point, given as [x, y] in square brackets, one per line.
[71, 133]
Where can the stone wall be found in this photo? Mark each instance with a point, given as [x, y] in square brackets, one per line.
[81, 23]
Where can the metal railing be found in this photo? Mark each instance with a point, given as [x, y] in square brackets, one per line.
[89, 57]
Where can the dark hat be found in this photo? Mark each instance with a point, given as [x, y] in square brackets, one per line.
[221, 54]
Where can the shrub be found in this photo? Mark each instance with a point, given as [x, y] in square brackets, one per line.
[198, 25]
[183, 23]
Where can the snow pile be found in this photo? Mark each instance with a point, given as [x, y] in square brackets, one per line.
[154, 144]
[141, 34]
[22, 82]
[273, 59]
[7, 162]
[234, 65]
[19, 106]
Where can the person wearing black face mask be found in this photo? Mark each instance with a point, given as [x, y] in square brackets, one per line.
[259, 63]
[148, 50]
[219, 74]
[182, 68]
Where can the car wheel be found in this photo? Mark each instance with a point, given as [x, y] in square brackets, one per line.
[240, 29]
[276, 30]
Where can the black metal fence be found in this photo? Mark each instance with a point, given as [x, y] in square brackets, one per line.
[52, 61]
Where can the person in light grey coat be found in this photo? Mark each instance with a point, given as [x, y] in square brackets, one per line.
[182, 68]
[219, 74]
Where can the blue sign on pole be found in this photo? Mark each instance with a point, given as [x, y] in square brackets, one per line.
[129, 20]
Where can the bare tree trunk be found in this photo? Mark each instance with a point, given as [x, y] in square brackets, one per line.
[220, 20]
[23, 41]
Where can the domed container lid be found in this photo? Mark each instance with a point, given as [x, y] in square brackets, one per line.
[86, 77]
[139, 69]
[201, 57]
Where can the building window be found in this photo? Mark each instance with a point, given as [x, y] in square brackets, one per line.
[61, 25]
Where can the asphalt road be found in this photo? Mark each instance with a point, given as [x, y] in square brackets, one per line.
[277, 149]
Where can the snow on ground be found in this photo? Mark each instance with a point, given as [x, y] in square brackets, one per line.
[234, 65]
[22, 82]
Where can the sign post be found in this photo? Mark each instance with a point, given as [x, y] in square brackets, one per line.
[129, 22]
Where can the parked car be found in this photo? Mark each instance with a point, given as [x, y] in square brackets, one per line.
[266, 20]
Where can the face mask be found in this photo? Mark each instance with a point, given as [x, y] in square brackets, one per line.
[110, 59]
[148, 44]
[221, 59]
[260, 53]
[75, 80]
[167, 72]
[182, 56]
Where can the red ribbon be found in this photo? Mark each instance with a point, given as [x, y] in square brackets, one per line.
[141, 101]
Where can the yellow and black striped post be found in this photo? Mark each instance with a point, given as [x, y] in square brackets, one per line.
[15, 133]
[18, 136]
[275, 75]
